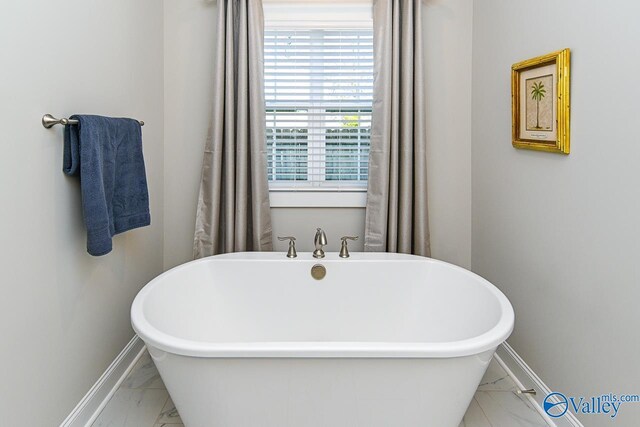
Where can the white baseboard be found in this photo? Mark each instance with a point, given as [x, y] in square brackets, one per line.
[87, 410]
[525, 378]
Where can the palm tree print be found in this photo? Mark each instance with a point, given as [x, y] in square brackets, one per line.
[537, 93]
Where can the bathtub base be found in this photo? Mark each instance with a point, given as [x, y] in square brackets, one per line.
[321, 392]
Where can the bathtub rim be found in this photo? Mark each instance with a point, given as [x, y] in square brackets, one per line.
[308, 349]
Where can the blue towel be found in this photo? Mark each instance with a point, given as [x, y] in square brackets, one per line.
[106, 154]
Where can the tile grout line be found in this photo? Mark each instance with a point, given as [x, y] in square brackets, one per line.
[157, 421]
[510, 408]
[482, 410]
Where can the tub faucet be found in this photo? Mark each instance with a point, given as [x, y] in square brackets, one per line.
[291, 253]
[344, 250]
[319, 241]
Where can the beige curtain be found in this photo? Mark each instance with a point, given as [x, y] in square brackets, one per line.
[396, 214]
[233, 206]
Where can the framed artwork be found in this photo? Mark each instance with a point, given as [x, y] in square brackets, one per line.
[540, 102]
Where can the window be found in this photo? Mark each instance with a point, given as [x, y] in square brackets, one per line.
[318, 91]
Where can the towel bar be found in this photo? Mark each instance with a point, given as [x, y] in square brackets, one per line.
[49, 121]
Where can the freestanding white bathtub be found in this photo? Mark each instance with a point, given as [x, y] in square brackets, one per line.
[384, 340]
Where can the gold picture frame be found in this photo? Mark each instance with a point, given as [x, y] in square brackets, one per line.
[540, 104]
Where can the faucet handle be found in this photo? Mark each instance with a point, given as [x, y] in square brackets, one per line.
[344, 251]
[291, 253]
[321, 237]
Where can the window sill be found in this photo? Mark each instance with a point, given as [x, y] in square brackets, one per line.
[318, 199]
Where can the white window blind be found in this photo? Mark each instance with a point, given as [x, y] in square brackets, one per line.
[319, 91]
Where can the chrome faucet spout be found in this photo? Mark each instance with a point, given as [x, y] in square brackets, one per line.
[319, 241]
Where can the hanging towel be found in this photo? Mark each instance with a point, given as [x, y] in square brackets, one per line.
[106, 154]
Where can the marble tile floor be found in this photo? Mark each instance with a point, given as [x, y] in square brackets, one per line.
[143, 401]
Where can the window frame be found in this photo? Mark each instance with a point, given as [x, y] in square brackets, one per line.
[288, 15]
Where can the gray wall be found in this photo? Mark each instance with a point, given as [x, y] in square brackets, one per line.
[302, 223]
[189, 29]
[64, 315]
[559, 234]
[189, 26]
